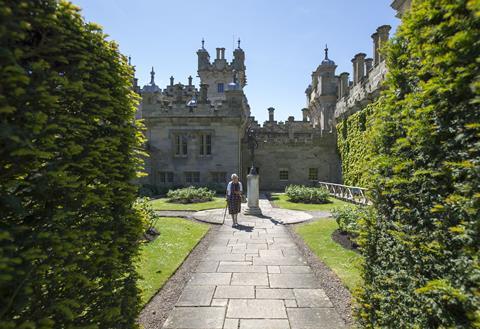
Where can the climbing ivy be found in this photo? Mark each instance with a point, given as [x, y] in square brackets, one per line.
[421, 249]
[69, 151]
[354, 146]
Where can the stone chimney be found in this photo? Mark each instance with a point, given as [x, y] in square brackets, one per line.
[222, 53]
[305, 114]
[344, 85]
[271, 117]
[383, 35]
[219, 50]
[358, 67]
[190, 80]
[171, 80]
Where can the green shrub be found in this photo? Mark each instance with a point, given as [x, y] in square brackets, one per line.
[347, 218]
[146, 212]
[303, 194]
[69, 150]
[190, 194]
[422, 250]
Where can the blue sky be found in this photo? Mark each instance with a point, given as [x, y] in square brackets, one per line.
[283, 40]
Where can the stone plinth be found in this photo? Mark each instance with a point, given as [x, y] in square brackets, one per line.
[253, 193]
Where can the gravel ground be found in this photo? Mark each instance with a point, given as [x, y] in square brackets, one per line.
[157, 310]
[338, 294]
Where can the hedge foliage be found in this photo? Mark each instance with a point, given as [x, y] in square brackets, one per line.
[304, 194]
[190, 194]
[68, 155]
[422, 250]
[354, 134]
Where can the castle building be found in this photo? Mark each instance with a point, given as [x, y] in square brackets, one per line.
[196, 136]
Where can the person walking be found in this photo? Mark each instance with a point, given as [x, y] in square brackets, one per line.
[234, 198]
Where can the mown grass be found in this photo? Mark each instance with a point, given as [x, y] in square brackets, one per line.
[345, 263]
[163, 204]
[159, 259]
[281, 200]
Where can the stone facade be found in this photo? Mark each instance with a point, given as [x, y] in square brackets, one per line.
[196, 135]
[193, 140]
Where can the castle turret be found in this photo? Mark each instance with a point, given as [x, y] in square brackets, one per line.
[203, 58]
[218, 75]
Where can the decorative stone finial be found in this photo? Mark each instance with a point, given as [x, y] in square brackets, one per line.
[152, 77]
[190, 80]
[326, 51]
[238, 43]
[129, 60]
[203, 43]
[171, 80]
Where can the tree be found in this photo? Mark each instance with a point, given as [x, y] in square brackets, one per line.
[69, 151]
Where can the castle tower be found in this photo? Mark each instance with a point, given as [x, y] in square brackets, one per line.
[219, 73]
[322, 94]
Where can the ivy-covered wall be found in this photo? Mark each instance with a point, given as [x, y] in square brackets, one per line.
[354, 147]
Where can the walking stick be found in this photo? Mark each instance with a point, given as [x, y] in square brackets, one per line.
[225, 213]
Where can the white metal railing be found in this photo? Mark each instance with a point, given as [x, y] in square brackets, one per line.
[351, 193]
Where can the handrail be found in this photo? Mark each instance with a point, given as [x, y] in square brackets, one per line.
[350, 193]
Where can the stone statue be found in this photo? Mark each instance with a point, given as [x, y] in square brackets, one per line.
[252, 144]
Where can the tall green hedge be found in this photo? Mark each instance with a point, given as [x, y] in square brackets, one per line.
[68, 154]
[354, 133]
[422, 250]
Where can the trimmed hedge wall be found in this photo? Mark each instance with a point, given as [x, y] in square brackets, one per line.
[421, 250]
[354, 147]
[68, 155]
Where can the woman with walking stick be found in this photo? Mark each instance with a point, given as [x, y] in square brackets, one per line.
[234, 198]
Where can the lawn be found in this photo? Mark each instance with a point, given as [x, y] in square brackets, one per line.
[281, 200]
[160, 258]
[345, 263]
[163, 204]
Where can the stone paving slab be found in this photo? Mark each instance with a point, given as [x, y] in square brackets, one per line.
[243, 268]
[264, 324]
[253, 277]
[274, 294]
[196, 296]
[209, 279]
[314, 318]
[196, 318]
[312, 298]
[250, 279]
[290, 280]
[235, 292]
[256, 309]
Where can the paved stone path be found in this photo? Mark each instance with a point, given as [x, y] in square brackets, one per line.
[276, 215]
[253, 277]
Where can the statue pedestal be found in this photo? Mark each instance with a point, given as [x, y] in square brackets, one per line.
[253, 192]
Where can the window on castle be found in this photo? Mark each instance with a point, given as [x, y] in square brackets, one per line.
[312, 173]
[205, 144]
[220, 87]
[192, 177]
[283, 174]
[219, 176]
[181, 145]
[165, 177]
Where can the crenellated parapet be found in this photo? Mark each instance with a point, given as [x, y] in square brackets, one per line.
[291, 131]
